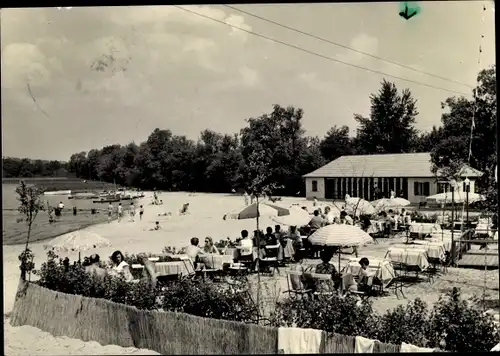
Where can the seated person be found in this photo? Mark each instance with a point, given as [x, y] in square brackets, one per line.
[316, 222]
[300, 282]
[294, 235]
[270, 238]
[246, 244]
[194, 252]
[184, 209]
[156, 227]
[209, 246]
[280, 235]
[120, 267]
[165, 214]
[94, 266]
[325, 267]
[148, 273]
[364, 280]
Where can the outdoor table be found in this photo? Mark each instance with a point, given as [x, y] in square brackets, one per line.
[214, 261]
[174, 268]
[375, 227]
[409, 257]
[380, 269]
[424, 228]
[434, 250]
[232, 251]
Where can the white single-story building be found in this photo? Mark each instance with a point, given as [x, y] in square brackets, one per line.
[374, 176]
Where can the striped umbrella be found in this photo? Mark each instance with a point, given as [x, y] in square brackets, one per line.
[393, 203]
[358, 206]
[297, 217]
[250, 212]
[78, 241]
[340, 235]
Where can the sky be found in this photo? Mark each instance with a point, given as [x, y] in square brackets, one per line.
[173, 69]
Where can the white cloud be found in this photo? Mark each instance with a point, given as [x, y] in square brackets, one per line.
[249, 76]
[363, 43]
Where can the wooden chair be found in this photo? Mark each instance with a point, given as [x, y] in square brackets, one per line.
[296, 285]
[271, 259]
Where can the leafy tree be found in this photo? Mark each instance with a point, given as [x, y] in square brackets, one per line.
[390, 127]
[453, 150]
[336, 143]
[427, 141]
[30, 204]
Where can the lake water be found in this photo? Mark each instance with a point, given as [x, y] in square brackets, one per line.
[10, 201]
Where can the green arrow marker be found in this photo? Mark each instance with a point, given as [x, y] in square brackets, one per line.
[408, 10]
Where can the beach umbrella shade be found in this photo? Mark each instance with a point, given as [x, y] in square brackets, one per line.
[297, 217]
[77, 241]
[250, 212]
[393, 203]
[340, 235]
[459, 197]
[358, 206]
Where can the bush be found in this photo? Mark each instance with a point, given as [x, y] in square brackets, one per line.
[342, 315]
[405, 324]
[463, 327]
[211, 300]
[201, 298]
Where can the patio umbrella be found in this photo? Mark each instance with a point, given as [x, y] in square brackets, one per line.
[393, 203]
[77, 241]
[297, 217]
[250, 212]
[340, 235]
[459, 197]
[358, 206]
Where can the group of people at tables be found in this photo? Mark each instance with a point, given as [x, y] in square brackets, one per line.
[120, 268]
[387, 220]
[303, 277]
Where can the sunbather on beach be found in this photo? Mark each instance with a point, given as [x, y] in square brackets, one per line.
[156, 227]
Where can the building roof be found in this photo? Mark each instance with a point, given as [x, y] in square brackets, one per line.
[412, 165]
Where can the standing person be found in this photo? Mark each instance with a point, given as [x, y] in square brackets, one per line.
[328, 216]
[110, 212]
[120, 212]
[132, 212]
[61, 205]
[141, 212]
[245, 197]
[74, 211]
[315, 202]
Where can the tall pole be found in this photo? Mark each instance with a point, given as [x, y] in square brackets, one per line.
[467, 205]
[452, 224]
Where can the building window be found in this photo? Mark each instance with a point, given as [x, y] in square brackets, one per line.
[314, 185]
[422, 189]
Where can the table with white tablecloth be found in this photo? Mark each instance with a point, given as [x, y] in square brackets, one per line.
[434, 250]
[446, 241]
[424, 228]
[375, 227]
[174, 268]
[381, 269]
[214, 261]
[411, 257]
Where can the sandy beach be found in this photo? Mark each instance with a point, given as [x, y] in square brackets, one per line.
[205, 219]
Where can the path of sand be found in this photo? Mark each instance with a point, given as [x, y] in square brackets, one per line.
[205, 219]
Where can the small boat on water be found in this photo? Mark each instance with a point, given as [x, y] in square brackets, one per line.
[106, 201]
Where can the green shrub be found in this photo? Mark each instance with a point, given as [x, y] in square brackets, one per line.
[405, 324]
[211, 300]
[201, 298]
[342, 315]
[463, 327]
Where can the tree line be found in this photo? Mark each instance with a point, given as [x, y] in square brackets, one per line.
[24, 167]
[274, 146]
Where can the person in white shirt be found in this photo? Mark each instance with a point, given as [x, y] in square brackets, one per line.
[110, 212]
[61, 205]
[120, 211]
[329, 218]
[120, 267]
[245, 198]
[315, 202]
[193, 251]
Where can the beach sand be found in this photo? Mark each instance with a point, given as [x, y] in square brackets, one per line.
[205, 219]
